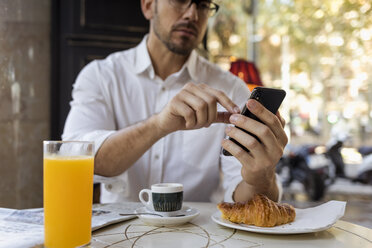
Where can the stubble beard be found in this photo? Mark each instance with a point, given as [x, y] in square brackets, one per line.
[166, 39]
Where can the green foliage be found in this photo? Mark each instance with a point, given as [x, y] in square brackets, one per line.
[329, 52]
[330, 28]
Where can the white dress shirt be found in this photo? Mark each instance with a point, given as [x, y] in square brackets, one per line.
[121, 90]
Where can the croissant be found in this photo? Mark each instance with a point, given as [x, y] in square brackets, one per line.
[259, 211]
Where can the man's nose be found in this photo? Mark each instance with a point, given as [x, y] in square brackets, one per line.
[192, 13]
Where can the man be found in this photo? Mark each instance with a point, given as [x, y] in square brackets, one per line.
[157, 112]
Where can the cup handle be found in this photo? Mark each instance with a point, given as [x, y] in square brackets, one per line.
[148, 203]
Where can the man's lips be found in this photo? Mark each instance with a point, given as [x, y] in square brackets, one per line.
[186, 30]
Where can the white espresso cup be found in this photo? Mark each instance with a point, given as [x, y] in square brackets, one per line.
[165, 198]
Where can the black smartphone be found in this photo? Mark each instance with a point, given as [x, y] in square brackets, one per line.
[270, 98]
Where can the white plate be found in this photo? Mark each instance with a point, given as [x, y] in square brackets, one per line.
[153, 220]
[307, 220]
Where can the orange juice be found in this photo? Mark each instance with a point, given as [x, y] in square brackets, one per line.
[68, 196]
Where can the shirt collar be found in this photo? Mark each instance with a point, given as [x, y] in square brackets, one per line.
[191, 65]
[143, 62]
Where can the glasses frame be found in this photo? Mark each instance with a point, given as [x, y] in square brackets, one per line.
[212, 10]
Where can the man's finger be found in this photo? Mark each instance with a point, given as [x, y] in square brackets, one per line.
[210, 100]
[182, 109]
[223, 117]
[282, 120]
[198, 105]
[269, 119]
[223, 99]
[238, 152]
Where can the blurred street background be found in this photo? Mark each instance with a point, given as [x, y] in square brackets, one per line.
[320, 52]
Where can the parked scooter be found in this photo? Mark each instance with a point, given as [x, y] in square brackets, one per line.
[315, 166]
[365, 169]
[318, 166]
[328, 160]
[330, 163]
[294, 166]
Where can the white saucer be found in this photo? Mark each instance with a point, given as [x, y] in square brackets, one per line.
[153, 220]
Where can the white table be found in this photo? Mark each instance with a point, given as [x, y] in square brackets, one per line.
[203, 232]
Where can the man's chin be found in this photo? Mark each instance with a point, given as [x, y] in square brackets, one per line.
[180, 50]
[184, 44]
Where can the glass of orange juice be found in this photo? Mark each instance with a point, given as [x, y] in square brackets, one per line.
[68, 193]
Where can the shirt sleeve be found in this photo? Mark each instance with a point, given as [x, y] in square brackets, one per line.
[91, 117]
[280, 187]
[231, 168]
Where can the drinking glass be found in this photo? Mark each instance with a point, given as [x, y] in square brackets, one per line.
[68, 193]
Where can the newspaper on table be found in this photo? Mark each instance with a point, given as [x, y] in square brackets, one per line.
[25, 228]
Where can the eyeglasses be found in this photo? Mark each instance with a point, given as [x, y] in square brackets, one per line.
[205, 8]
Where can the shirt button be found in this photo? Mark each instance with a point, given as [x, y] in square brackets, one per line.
[156, 156]
[163, 88]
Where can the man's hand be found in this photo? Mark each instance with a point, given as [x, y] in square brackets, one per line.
[195, 106]
[258, 165]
